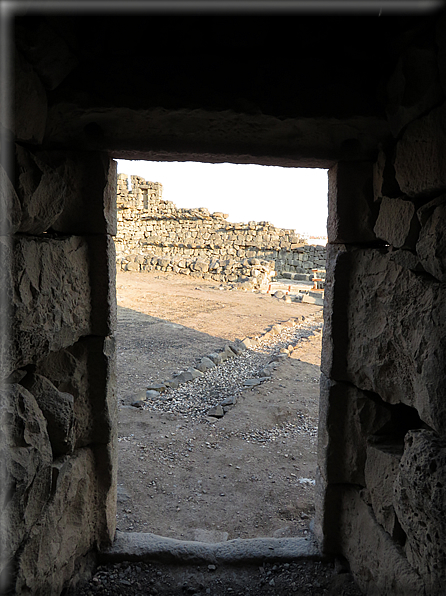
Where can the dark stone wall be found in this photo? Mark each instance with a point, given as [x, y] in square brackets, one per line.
[362, 96]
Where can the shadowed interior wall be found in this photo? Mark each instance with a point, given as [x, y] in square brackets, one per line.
[246, 89]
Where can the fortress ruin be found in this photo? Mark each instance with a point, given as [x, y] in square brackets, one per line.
[154, 234]
[359, 95]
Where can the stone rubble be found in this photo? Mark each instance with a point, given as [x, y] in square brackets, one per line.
[210, 394]
[154, 234]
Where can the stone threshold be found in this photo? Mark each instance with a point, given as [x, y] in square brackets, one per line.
[147, 547]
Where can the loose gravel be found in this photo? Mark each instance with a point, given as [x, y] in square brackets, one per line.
[226, 381]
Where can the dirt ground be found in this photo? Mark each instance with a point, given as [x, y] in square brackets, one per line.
[249, 474]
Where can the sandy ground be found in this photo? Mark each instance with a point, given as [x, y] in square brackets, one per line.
[213, 479]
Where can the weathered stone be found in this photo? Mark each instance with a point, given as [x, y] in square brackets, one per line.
[90, 202]
[397, 223]
[217, 357]
[368, 547]
[44, 322]
[196, 374]
[396, 331]
[57, 408]
[419, 496]
[347, 418]
[420, 156]
[48, 53]
[159, 387]
[414, 87]
[184, 377]
[30, 103]
[102, 284]
[216, 412]
[431, 244]
[229, 351]
[384, 180]
[67, 529]
[381, 468]
[201, 265]
[26, 459]
[10, 207]
[152, 394]
[42, 192]
[205, 364]
[352, 212]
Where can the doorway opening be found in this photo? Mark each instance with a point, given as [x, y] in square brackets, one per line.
[230, 453]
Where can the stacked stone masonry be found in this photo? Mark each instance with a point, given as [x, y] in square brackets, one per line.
[154, 234]
[374, 115]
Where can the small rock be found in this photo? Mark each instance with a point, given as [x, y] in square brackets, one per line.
[137, 404]
[229, 401]
[205, 364]
[195, 373]
[152, 394]
[252, 382]
[216, 412]
[160, 387]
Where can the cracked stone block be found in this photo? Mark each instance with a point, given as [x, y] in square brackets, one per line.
[420, 156]
[26, 459]
[90, 204]
[419, 501]
[30, 103]
[51, 296]
[42, 191]
[368, 548]
[414, 87]
[431, 244]
[10, 207]
[391, 339]
[66, 531]
[397, 223]
[347, 418]
[352, 212]
[57, 408]
[381, 468]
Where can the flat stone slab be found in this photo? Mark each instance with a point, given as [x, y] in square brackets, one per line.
[139, 546]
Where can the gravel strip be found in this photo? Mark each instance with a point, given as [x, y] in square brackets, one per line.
[226, 381]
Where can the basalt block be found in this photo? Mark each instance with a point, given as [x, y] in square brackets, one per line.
[51, 296]
[419, 500]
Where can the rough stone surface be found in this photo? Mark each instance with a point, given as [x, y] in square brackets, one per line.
[57, 407]
[420, 156]
[91, 194]
[431, 244]
[369, 548]
[419, 495]
[66, 529]
[30, 103]
[10, 208]
[44, 323]
[42, 190]
[347, 418]
[352, 211]
[155, 234]
[397, 224]
[139, 546]
[396, 333]
[26, 458]
[382, 466]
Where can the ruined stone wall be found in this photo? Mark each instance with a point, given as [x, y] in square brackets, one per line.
[58, 403]
[381, 474]
[155, 234]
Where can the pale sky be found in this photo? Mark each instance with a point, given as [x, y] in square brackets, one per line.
[293, 198]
